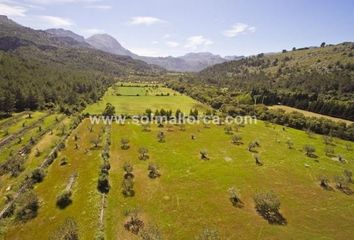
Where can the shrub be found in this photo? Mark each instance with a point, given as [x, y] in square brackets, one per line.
[27, 206]
[64, 199]
[134, 224]
[257, 159]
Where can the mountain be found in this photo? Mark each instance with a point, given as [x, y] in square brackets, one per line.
[191, 62]
[108, 44]
[39, 69]
[59, 32]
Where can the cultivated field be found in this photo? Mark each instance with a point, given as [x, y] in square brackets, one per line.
[136, 98]
[191, 193]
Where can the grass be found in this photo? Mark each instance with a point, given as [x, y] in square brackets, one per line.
[192, 193]
[126, 101]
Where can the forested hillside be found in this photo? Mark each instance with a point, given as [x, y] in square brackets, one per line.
[317, 79]
[38, 70]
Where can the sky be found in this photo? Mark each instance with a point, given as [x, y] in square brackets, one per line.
[176, 27]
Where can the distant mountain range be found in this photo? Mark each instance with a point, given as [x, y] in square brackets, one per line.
[191, 62]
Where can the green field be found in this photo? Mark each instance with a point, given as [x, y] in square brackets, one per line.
[191, 194]
[135, 99]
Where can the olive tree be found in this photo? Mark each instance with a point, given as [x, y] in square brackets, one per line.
[236, 139]
[235, 197]
[204, 154]
[309, 150]
[124, 143]
[268, 205]
[153, 171]
[161, 137]
[143, 153]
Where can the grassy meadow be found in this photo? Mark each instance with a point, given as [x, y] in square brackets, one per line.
[191, 194]
[128, 99]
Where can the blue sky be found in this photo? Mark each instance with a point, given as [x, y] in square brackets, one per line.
[175, 27]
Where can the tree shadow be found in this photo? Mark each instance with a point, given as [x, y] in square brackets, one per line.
[274, 218]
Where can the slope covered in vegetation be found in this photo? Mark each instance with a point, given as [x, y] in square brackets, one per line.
[316, 79]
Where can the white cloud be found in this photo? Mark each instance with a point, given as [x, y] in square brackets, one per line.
[239, 28]
[166, 36]
[172, 44]
[147, 21]
[12, 10]
[155, 42]
[56, 21]
[100, 7]
[195, 42]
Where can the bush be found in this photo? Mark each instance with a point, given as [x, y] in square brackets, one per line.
[235, 197]
[204, 154]
[64, 199]
[150, 233]
[27, 206]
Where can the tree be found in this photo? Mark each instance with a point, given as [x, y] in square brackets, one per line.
[228, 130]
[95, 141]
[110, 110]
[103, 183]
[161, 137]
[257, 159]
[236, 139]
[67, 231]
[128, 168]
[290, 143]
[27, 206]
[37, 175]
[64, 199]
[268, 205]
[309, 150]
[235, 197]
[143, 153]
[153, 171]
[124, 143]
[128, 187]
[323, 44]
[204, 154]
[252, 145]
[341, 182]
[324, 182]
